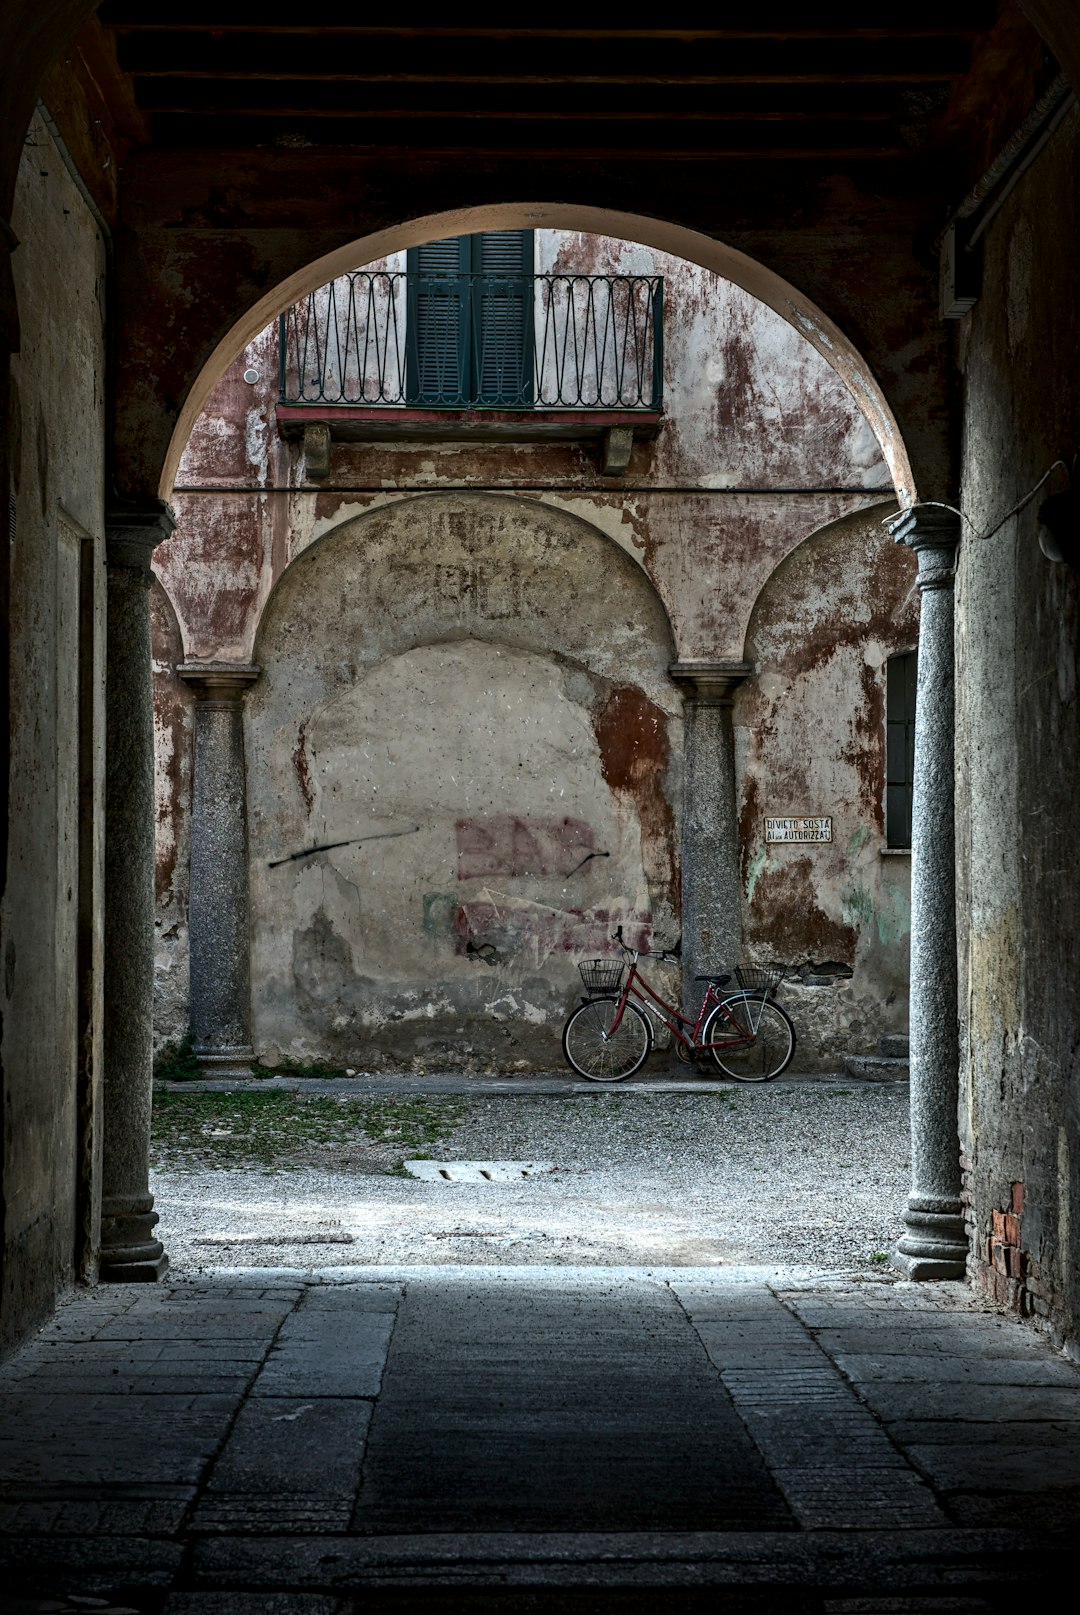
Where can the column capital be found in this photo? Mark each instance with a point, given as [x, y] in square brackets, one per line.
[133, 532]
[933, 532]
[710, 683]
[218, 683]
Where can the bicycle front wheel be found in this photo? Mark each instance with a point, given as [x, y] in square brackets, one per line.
[753, 1041]
[594, 1051]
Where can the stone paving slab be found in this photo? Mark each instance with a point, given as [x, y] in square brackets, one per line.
[557, 1428]
[287, 1460]
[94, 1566]
[333, 1363]
[234, 1603]
[157, 1511]
[450, 1450]
[934, 1338]
[926, 1561]
[938, 1369]
[1038, 1467]
[1037, 1433]
[982, 1403]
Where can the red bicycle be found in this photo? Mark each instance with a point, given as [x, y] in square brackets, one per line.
[608, 1037]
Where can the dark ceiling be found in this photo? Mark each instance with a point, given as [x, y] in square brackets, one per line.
[784, 88]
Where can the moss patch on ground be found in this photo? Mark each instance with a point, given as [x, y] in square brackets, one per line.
[281, 1131]
[176, 1062]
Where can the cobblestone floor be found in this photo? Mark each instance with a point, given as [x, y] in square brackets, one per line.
[529, 1438]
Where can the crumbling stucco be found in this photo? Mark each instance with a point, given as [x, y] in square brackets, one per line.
[761, 447]
[455, 711]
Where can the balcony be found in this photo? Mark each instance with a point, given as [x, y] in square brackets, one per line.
[452, 357]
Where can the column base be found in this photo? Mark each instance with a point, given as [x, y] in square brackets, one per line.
[225, 1062]
[923, 1269]
[134, 1272]
[129, 1252]
[935, 1245]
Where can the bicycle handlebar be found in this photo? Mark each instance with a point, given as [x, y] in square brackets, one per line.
[666, 954]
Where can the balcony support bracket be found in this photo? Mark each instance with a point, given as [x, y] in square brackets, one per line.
[618, 442]
[317, 450]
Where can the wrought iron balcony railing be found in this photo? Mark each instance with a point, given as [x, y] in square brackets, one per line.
[474, 342]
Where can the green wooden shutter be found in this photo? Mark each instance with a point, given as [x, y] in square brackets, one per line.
[502, 319]
[470, 313]
[437, 350]
[901, 675]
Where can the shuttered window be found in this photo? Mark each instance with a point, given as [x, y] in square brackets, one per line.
[900, 678]
[470, 317]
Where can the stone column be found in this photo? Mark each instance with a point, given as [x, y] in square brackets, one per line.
[711, 887]
[129, 1250]
[935, 1244]
[218, 933]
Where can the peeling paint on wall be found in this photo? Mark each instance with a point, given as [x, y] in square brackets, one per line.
[425, 701]
[492, 552]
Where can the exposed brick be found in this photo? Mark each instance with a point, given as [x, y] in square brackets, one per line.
[1001, 1263]
[1012, 1229]
[1015, 1262]
[998, 1224]
[1016, 1198]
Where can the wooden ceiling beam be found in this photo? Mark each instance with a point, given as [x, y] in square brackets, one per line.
[309, 56]
[683, 80]
[175, 107]
[455, 147]
[780, 21]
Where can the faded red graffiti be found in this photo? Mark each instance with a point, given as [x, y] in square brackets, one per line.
[505, 845]
[510, 929]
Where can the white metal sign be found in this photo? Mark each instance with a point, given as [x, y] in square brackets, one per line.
[800, 829]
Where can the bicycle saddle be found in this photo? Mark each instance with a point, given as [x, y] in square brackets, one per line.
[717, 981]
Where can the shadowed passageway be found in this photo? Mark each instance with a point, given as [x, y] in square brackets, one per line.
[333, 1439]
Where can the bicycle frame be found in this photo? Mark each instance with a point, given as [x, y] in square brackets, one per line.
[636, 986]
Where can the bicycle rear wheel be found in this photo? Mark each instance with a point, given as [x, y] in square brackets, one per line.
[592, 1051]
[756, 1043]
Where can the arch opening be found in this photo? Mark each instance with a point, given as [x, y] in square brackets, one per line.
[750, 275]
[464, 701]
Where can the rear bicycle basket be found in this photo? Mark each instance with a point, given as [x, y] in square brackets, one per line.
[601, 975]
[760, 978]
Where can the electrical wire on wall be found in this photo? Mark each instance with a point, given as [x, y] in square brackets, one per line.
[894, 521]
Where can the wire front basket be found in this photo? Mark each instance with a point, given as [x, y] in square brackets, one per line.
[601, 975]
[760, 978]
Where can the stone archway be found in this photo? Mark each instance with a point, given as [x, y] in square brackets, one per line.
[752, 276]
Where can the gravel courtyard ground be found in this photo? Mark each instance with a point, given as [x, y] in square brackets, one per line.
[811, 1173]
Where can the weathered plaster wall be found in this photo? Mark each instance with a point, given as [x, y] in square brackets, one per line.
[480, 683]
[1018, 756]
[752, 404]
[761, 447]
[810, 739]
[51, 915]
